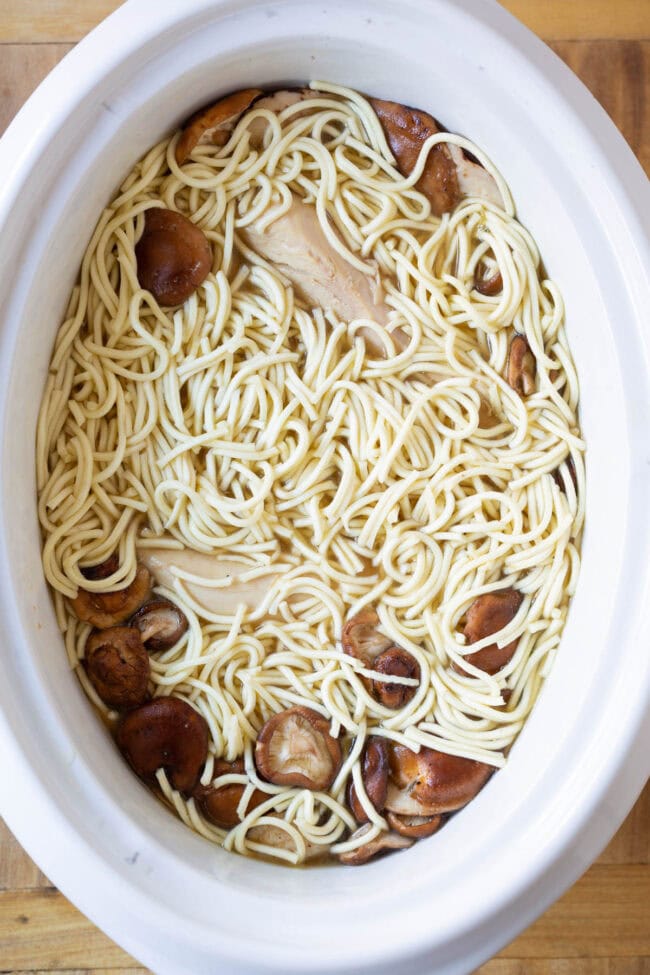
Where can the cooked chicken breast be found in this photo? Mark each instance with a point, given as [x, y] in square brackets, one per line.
[296, 245]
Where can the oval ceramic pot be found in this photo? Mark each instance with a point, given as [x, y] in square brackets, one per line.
[176, 902]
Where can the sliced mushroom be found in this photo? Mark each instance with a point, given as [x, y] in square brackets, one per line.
[395, 662]
[279, 839]
[219, 804]
[295, 748]
[417, 827]
[487, 418]
[104, 609]
[448, 174]
[406, 130]
[558, 476]
[118, 666]
[489, 614]
[214, 123]
[488, 284]
[296, 245]
[374, 772]
[166, 733]
[473, 179]
[161, 624]
[361, 637]
[173, 256]
[103, 570]
[384, 843]
[430, 782]
[521, 366]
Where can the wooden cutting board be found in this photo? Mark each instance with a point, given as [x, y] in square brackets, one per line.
[602, 925]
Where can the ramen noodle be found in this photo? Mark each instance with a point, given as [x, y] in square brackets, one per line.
[284, 462]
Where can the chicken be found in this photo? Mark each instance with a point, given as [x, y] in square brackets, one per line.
[223, 600]
[296, 245]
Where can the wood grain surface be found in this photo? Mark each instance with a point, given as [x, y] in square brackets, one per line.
[602, 925]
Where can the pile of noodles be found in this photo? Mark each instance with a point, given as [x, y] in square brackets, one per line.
[251, 426]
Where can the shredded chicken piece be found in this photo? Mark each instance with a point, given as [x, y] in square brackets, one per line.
[296, 245]
[225, 599]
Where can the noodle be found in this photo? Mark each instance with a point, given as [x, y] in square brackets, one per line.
[247, 425]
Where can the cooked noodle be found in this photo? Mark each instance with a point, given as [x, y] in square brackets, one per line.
[248, 425]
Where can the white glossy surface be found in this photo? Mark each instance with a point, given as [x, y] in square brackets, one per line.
[174, 901]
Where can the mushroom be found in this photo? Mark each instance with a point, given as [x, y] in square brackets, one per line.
[558, 475]
[489, 614]
[488, 284]
[103, 570]
[166, 733]
[296, 246]
[219, 804]
[361, 639]
[374, 772]
[384, 843]
[521, 366]
[278, 838]
[173, 256]
[416, 827]
[395, 662]
[295, 748]
[161, 624]
[215, 123]
[449, 175]
[118, 666]
[104, 609]
[430, 782]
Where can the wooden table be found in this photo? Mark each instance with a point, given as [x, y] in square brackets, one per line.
[602, 925]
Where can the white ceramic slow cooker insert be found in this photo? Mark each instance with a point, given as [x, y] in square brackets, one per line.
[179, 904]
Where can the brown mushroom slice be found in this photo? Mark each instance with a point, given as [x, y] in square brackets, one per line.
[223, 600]
[448, 174]
[104, 609]
[487, 418]
[219, 804]
[406, 130]
[295, 748]
[117, 665]
[214, 123]
[384, 843]
[521, 366]
[559, 478]
[488, 284]
[430, 782]
[161, 624]
[166, 733]
[279, 839]
[374, 773]
[473, 179]
[297, 247]
[173, 256]
[489, 614]
[103, 570]
[395, 662]
[417, 827]
[361, 637]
